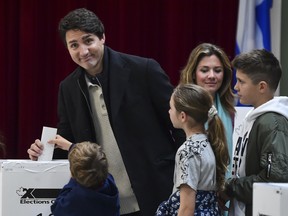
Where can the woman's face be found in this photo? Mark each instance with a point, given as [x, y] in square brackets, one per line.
[210, 74]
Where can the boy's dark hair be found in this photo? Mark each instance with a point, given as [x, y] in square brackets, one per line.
[83, 20]
[88, 164]
[259, 65]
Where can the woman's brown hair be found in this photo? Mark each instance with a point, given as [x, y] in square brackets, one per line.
[188, 72]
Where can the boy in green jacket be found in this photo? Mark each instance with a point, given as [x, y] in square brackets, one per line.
[261, 148]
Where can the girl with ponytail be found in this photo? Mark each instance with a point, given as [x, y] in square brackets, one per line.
[201, 161]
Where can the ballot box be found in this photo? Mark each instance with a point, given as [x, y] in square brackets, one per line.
[270, 199]
[28, 188]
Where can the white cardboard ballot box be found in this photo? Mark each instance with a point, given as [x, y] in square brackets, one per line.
[270, 199]
[28, 188]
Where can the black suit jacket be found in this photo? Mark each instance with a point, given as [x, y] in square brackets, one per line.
[139, 94]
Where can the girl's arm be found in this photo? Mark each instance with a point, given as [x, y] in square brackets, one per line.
[187, 200]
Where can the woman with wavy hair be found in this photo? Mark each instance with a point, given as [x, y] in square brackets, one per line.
[209, 66]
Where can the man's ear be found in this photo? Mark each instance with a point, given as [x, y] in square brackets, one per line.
[103, 38]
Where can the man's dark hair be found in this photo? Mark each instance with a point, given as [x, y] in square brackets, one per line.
[83, 20]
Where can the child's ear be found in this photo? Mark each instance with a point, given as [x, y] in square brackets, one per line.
[263, 86]
[183, 116]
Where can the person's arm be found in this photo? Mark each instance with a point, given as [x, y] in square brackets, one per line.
[35, 150]
[187, 201]
[63, 126]
[160, 89]
[61, 143]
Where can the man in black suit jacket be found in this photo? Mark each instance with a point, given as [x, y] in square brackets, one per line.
[136, 94]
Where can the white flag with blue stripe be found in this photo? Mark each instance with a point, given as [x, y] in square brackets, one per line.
[253, 27]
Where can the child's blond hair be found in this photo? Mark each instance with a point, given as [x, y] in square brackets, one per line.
[88, 164]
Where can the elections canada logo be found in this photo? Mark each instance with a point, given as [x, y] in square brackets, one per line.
[37, 195]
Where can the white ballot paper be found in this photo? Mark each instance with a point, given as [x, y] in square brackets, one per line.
[48, 133]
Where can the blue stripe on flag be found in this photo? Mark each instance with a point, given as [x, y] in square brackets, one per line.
[263, 20]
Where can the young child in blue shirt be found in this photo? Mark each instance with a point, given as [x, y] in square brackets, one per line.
[91, 190]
